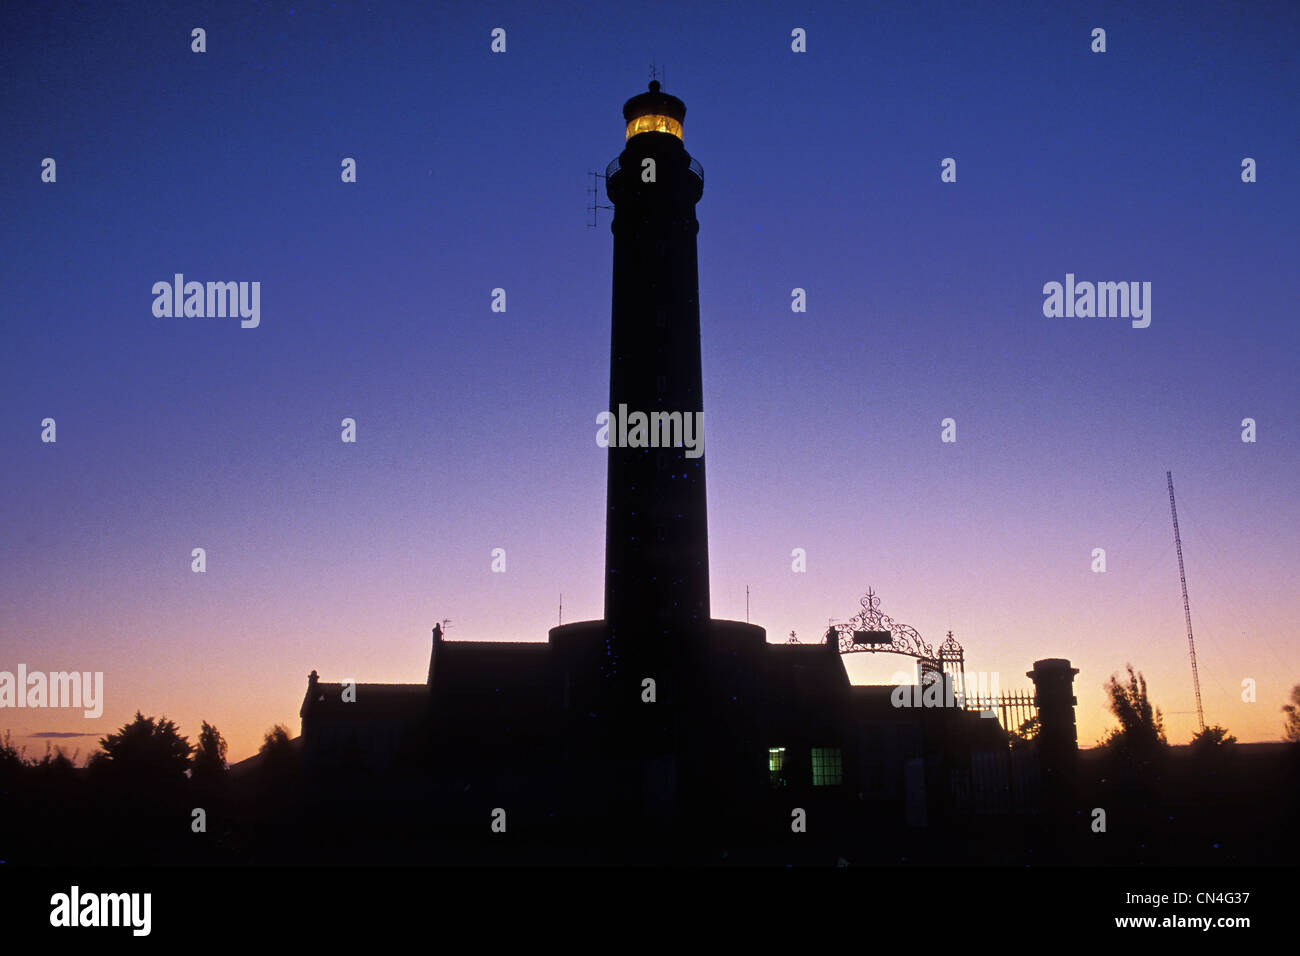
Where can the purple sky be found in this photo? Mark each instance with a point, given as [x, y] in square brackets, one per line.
[476, 430]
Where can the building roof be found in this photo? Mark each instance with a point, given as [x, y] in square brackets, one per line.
[470, 666]
[371, 701]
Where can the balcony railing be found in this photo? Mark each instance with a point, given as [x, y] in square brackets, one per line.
[696, 169]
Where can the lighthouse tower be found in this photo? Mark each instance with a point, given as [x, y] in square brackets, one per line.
[656, 530]
[659, 698]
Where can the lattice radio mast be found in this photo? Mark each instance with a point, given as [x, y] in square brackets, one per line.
[1187, 611]
[595, 203]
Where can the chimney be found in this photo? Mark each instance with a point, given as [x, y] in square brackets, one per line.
[433, 653]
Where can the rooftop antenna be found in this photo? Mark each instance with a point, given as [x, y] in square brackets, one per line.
[746, 603]
[561, 620]
[1187, 611]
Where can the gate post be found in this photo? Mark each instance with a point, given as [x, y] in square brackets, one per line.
[1058, 736]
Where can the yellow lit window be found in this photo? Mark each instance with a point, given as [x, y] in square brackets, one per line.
[776, 765]
[654, 124]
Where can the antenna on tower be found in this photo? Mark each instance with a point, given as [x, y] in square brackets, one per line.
[593, 190]
[1187, 611]
[658, 73]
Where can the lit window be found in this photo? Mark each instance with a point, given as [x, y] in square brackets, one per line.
[776, 765]
[827, 767]
[654, 123]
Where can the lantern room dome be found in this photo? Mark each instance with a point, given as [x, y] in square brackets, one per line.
[654, 112]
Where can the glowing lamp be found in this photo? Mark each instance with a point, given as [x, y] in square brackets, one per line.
[654, 112]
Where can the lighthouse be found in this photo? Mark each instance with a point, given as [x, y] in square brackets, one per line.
[656, 733]
[658, 698]
[656, 526]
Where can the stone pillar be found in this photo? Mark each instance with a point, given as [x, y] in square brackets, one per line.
[1058, 736]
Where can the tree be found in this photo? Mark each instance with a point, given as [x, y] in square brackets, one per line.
[12, 763]
[278, 755]
[10, 756]
[1291, 729]
[1028, 731]
[209, 761]
[275, 742]
[1141, 732]
[55, 760]
[1212, 740]
[98, 764]
[147, 751]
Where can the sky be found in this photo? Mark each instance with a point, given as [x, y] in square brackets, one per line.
[476, 429]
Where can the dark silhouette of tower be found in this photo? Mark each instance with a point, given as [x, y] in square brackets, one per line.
[1058, 736]
[658, 698]
[656, 531]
